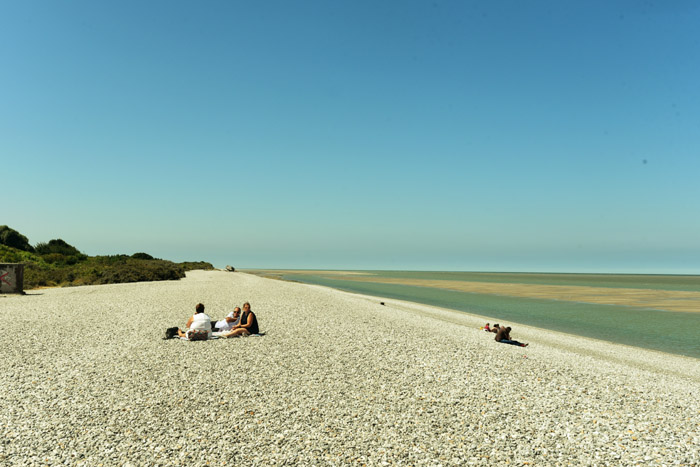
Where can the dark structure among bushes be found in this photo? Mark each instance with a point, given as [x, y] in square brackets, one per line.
[12, 278]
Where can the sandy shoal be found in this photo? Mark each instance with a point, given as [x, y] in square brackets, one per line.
[667, 300]
[338, 379]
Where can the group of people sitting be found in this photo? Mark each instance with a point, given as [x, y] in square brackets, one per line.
[503, 334]
[200, 326]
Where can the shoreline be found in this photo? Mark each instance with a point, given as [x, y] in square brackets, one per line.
[337, 379]
[665, 331]
[648, 359]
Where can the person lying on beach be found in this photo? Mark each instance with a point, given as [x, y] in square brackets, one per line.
[495, 328]
[198, 326]
[230, 321]
[503, 336]
[247, 326]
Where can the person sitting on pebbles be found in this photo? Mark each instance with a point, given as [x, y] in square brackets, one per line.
[503, 336]
[229, 322]
[198, 326]
[247, 326]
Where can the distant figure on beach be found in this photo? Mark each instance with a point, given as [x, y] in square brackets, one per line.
[503, 336]
[229, 322]
[198, 326]
[487, 328]
[247, 326]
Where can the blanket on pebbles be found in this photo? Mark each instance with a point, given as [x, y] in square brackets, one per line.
[218, 335]
[344, 381]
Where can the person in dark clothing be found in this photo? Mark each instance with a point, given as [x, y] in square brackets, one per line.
[503, 336]
[247, 326]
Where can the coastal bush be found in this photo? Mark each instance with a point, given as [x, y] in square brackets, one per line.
[12, 238]
[57, 246]
[57, 258]
[57, 263]
[13, 255]
[111, 259]
[39, 275]
[141, 270]
[192, 265]
[53, 258]
[142, 256]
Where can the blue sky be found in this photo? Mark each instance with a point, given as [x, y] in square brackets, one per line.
[455, 135]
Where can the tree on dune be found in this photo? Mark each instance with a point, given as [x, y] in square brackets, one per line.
[10, 237]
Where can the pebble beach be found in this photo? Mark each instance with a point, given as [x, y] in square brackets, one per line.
[338, 379]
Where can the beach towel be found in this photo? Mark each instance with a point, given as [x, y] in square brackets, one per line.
[217, 335]
[209, 339]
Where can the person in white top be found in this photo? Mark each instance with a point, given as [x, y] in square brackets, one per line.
[230, 321]
[198, 326]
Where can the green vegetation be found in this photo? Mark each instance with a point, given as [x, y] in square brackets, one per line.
[14, 239]
[58, 263]
[142, 256]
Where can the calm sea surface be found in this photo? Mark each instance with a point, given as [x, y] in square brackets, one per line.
[672, 332]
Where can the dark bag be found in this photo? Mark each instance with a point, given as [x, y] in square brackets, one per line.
[198, 335]
[171, 333]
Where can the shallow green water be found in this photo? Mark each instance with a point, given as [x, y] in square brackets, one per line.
[672, 332]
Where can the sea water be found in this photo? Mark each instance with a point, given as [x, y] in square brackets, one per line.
[666, 331]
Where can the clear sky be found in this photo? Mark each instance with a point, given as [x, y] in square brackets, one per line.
[441, 135]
